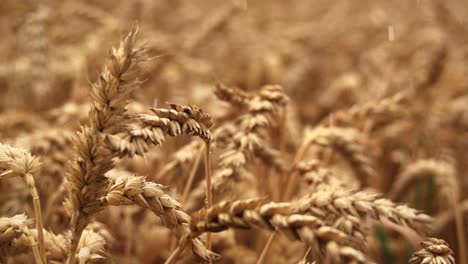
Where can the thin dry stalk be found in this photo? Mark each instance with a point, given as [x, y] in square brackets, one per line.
[191, 176]
[443, 219]
[209, 191]
[188, 154]
[265, 249]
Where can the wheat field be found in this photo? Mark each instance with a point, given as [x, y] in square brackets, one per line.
[233, 132]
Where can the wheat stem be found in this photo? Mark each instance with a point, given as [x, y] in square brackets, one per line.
[460, 232]
[262, 256]
[38, 215]
[34, 245]
[191, 177]
[292, 176]
[180, 247]
[76, 236]
[209, 193]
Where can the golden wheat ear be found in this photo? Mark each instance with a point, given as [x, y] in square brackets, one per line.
[433, 251]
[107, 115]
[20, 162]
[252, 214]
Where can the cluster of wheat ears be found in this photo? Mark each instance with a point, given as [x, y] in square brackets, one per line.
[261, 175]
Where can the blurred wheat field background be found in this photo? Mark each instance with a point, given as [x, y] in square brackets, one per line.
[233, 131]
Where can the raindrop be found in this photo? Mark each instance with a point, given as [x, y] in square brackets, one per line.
[391, 33]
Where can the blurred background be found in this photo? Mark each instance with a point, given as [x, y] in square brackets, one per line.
[327, 55]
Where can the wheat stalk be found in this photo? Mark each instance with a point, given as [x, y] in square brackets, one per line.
[177, 166]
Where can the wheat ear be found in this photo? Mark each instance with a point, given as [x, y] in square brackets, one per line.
[334, 201]
[276, 217]
[135, 190]
[12, 228]
[370, 112]
[209, 190]
[151, 129]
[434, 251]
[247, 142]
[443, 173]
[21, 162]
[85, 173]
[347, 141]
[91, 246]
[351, 143]
[446, 182]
